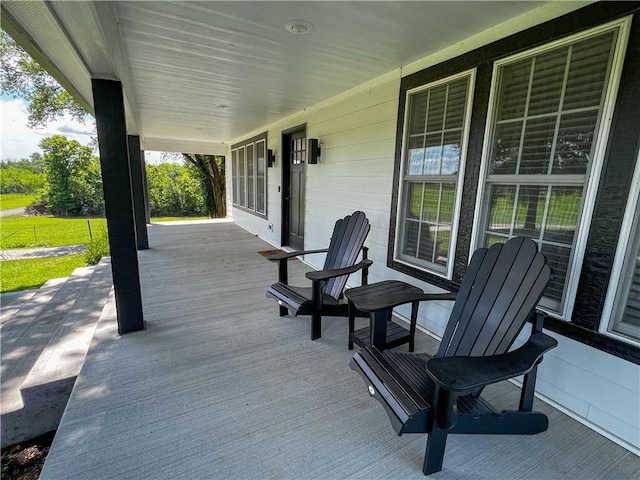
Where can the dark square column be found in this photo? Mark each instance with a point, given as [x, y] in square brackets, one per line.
[116, 181]
[137, 183]
[147, 210]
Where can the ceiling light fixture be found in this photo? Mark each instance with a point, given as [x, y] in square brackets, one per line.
[299, 27]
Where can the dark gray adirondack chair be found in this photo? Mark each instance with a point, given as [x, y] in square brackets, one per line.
[441, 395]
[325, 294]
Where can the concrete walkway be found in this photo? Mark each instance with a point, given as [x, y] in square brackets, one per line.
[24, 253]
[12, 211]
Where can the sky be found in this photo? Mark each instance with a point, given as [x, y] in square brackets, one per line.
[18, 141]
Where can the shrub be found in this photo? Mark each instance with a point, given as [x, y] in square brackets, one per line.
[98, 247]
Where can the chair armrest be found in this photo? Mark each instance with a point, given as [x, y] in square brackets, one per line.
[284, 256]
[337, 272]
[461, 375]
[439, 296]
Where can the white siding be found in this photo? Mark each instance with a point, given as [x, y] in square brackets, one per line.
[358, 133]
[595, 387]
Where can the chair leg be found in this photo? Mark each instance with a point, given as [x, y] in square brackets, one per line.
[316, 316]
[316, 326]
[352, 323]
[412, 326]
[283, 311]
[434, 454]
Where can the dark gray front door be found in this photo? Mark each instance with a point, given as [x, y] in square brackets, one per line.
[297, 175]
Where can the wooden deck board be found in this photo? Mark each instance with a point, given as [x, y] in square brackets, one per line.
[219, 386]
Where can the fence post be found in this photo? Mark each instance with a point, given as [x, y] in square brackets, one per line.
[89, 225]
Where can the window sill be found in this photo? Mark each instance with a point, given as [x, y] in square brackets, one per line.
[429, 277]
[251, 212]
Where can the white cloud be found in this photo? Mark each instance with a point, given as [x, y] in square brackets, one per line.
[19, 141]
[154, 158]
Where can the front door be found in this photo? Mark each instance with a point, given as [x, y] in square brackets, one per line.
[295, 151]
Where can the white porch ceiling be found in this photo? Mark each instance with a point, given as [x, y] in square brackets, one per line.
[207, 73]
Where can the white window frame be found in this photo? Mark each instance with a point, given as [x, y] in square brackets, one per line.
[594, 170]
[399, 234]
[630, 224]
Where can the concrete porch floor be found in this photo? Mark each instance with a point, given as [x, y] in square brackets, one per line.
[220, 387]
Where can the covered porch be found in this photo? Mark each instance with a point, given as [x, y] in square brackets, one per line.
[219, 386]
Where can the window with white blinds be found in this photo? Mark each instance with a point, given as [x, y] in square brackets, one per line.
[249, 178]
[435, 138]
[627, 322]
[622, 306]
[547, 118]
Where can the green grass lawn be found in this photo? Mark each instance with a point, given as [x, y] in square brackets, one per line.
[17, 231]
[15, 200]
[32, 273]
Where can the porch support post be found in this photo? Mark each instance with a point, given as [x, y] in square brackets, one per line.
[137, 190]
[116, 181]
[147, 210]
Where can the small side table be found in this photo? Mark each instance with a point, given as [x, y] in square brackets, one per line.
[379, 299]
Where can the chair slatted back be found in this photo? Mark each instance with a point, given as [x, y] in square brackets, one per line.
[347, 240]
[500, 289]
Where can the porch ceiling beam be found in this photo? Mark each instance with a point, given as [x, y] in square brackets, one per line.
[185, 146]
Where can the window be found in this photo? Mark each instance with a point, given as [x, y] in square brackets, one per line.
[548, 129]
[622, 305]
[435, 137]
[249, 178]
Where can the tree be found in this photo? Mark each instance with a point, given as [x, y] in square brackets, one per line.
[22, 77]
[174, 190]
[210, 169]
[24, 176]
[74, 184]
[212, 174]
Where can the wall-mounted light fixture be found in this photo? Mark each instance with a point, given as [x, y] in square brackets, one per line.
[314, 152]
[271, 158]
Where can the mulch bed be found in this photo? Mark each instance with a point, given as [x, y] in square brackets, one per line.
[24, 461]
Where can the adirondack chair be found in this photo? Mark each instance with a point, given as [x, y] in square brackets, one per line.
[324, 297]
[441, 395]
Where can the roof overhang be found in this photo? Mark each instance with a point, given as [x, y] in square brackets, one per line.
[200, 75]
